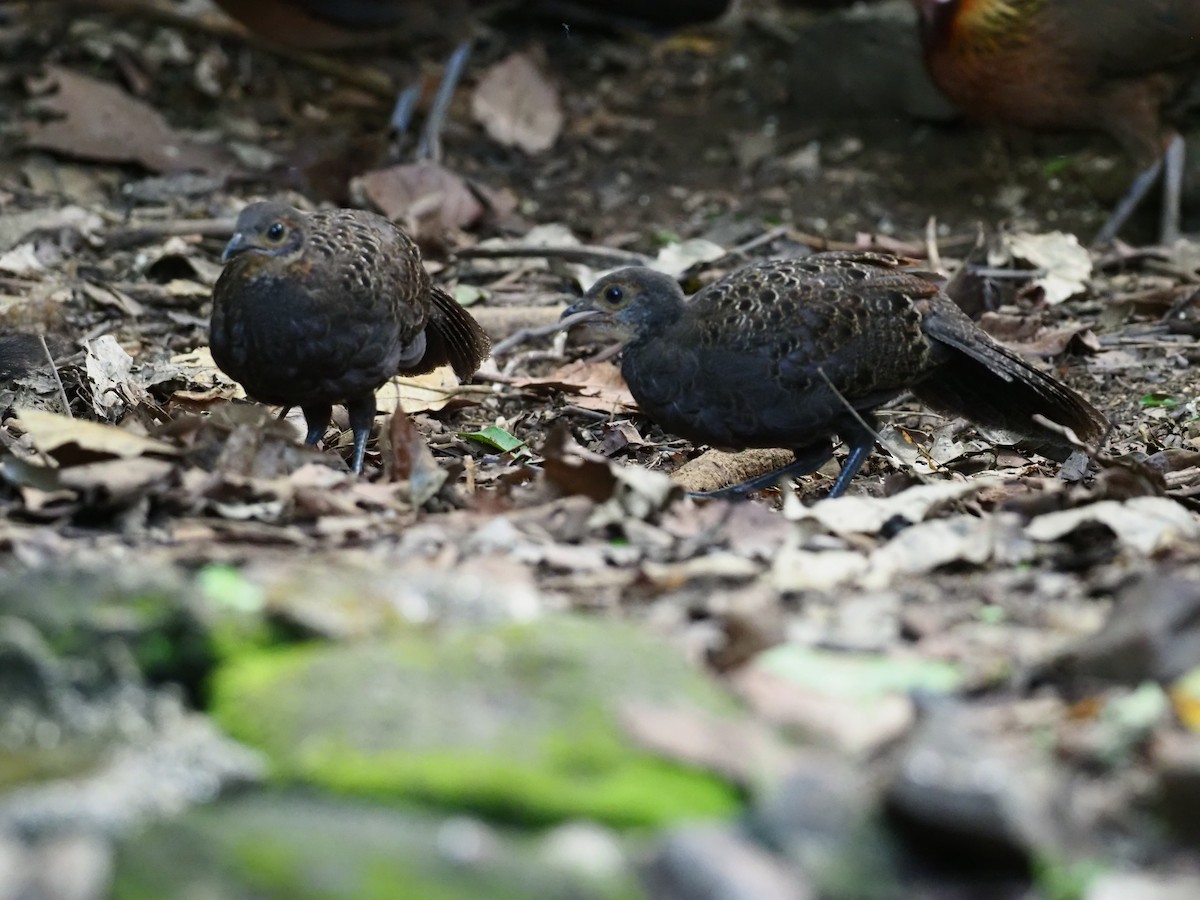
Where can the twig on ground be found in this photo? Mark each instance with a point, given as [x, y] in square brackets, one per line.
[582, 253]
[1069, 434]
[153, 231]
[62, 391]
[519, 337]
[754, 243]
[931, 245]
[861, 421]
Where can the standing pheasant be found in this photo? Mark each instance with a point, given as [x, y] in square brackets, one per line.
[1073, 65]
[314, 309]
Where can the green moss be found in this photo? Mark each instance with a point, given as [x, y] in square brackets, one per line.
[1065, 879]
[634, 790]
[517, 722]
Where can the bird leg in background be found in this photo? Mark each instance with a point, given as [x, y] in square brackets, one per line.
[808, 460]
[1170, 165]
[429, 145]
[1172, 190]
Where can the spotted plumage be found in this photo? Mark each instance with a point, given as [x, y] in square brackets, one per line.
[788, 353]
[314, 309]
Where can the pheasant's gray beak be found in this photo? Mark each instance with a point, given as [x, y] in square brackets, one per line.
[577, 313]
[236, 245]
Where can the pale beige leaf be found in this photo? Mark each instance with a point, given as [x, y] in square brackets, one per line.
[518, 106]
[419, 393]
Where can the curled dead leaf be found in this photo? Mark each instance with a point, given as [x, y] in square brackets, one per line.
[411, 460]
[72, 442]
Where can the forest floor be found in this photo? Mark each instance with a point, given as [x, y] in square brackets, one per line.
[988, 661]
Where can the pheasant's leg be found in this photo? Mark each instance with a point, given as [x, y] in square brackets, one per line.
[1136, 193]
[1172, 190]
[808, 459]
[429, 146]
[361, 411]
[861, 444]
[317, 416]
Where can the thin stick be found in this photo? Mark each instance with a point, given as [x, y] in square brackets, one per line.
[931, 245]
[861, 421]
[582, 253]
[1068, 433]
[766, 237]
[152, 231]
[62, 391]
[527, 334]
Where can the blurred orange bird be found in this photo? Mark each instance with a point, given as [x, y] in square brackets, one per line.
[1063, 65]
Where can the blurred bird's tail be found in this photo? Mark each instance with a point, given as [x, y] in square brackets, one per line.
[452, 337]
[993, 386]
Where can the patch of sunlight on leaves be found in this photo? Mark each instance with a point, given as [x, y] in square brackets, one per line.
[991, 614]
[857, 674]
[226, 586]
[1139, 710]
[468, 294]
[1185, 698]
[1158, 399]
[495, 437]
[1061, 879]
[1056, 166]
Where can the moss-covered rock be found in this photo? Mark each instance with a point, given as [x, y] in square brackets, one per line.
[88, 616]
[303, 848]
[520, 722]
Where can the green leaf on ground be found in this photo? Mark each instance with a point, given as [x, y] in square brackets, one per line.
[1158, 399]
[495, 437]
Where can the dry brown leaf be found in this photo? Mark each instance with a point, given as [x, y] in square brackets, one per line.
[1067, 263]
[109, 369]
[1075, 337]
[120, 480]
[419, 393]
[199, 368]
[75, 441]
[101, 122]
[518, 106]
[575, 470]
[1145, 525]
[424, 196]
[16, 226]
[411, 460]
[599, 385]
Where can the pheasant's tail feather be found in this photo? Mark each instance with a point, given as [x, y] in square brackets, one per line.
[993, 386]
[452, 336]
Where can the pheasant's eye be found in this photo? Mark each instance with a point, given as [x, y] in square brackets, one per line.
[275, 231]
[614, 295]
